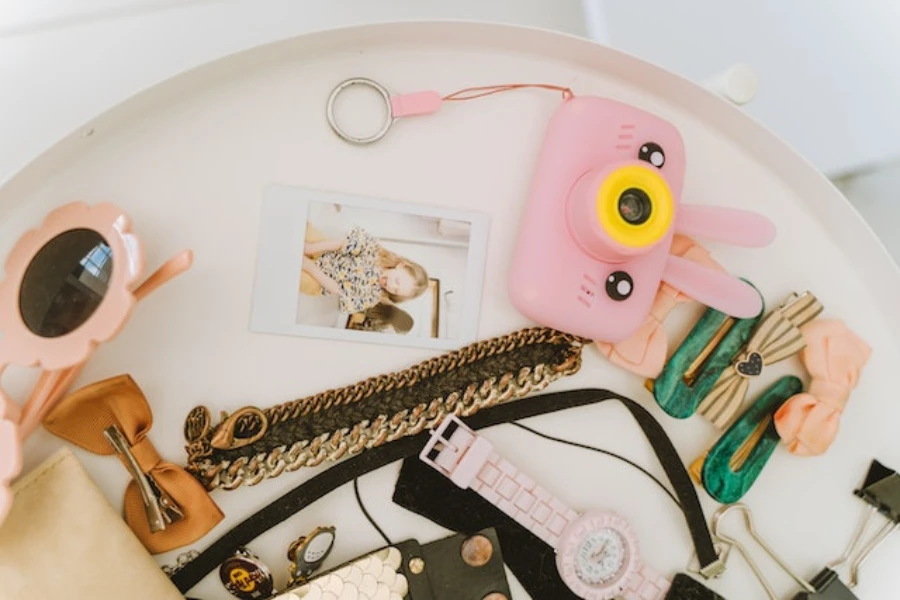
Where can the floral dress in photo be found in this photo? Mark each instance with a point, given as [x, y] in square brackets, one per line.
[356, 270]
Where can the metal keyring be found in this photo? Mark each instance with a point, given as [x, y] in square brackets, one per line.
[385, 96]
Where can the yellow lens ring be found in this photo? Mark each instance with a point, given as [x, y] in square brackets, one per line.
[661, 212]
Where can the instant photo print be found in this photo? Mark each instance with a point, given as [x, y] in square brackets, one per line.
[368, 270]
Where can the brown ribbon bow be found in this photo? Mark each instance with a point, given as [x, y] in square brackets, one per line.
[645, 352]
[82, 418]
[776, 338]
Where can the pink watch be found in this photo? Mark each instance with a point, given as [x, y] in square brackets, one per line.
[596, 552]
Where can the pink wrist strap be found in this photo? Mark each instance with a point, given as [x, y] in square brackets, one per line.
[415, 103]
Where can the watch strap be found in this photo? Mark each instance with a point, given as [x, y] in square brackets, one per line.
[429, 504]
[646, 584]
[516, 494]
[470, 461]
[347, 470]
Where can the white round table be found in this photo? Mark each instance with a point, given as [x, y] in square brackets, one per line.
[189, 159]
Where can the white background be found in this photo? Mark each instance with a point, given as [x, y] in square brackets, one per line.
[827, 68]
[191, 361]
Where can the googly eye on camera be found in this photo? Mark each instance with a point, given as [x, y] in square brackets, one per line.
[652, 153]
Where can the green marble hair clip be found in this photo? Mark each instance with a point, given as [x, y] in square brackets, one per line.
[731, 467]
[710, 348]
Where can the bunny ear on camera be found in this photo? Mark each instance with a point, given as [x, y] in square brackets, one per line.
[725, 293]
[728, 225]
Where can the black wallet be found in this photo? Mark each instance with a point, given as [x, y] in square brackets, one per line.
[459, 567]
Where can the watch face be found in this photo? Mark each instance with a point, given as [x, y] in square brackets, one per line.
[597, 554]
[600, 555]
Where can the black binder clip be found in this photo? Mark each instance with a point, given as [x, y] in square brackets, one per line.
[881, 491]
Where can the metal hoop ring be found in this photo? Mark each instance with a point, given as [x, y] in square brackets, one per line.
[386, 98]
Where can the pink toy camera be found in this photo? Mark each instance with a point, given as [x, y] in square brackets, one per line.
[594, 239]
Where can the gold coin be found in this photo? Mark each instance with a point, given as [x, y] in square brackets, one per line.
[416, 565]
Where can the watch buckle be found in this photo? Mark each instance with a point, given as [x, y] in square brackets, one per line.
[441, 443]
[456, 451]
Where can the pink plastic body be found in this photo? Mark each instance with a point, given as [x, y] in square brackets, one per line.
[567, 269]
[552, 279]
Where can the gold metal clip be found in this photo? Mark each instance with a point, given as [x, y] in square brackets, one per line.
[245, 426]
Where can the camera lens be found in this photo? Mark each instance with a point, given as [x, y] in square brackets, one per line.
[635, 206]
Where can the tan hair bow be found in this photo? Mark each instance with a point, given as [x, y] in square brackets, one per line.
[776, 338]
[98, 415]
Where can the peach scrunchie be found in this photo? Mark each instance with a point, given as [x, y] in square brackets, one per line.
[834, 357]
[645, 352]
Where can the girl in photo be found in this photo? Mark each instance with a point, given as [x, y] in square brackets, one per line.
[360, 272]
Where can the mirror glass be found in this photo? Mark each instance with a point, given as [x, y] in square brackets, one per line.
[65, 282]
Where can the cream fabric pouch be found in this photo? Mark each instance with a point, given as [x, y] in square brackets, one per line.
[63, 539]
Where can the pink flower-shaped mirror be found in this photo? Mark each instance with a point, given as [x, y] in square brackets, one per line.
[69, 285]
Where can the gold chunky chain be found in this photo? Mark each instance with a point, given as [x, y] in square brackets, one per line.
[343, 442]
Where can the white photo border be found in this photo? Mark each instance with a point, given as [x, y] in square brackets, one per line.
[279, 260]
